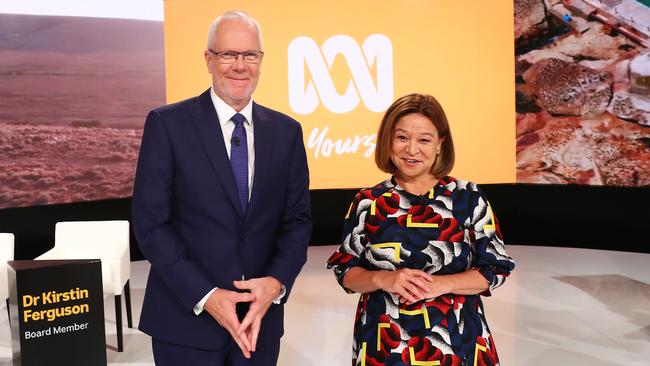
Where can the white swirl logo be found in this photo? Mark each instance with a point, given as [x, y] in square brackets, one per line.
[304, 51]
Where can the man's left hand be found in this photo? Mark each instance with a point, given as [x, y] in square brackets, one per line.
[265, 289]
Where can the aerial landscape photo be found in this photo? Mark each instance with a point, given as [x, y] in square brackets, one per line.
[74, 94]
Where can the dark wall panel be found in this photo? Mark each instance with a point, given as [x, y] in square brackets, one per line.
[612, 218]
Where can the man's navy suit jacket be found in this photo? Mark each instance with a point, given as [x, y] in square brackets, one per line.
[189, 223]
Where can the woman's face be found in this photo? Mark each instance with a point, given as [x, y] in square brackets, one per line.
[415, 144]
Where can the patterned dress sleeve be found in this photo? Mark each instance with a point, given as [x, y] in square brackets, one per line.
[488, 250]
[353, 241]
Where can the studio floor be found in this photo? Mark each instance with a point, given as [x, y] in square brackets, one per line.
[561, 306]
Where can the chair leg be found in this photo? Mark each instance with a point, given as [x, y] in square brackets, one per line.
[127, 302]
[8, 313]
[118, 321]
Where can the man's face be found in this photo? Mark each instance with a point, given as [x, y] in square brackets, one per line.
[234, 82]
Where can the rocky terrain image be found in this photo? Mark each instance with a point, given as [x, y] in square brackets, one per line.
[583, 92]
[44, 164]
[74, 94]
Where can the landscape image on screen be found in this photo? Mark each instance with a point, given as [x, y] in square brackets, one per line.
[583, 92]
[74, 94]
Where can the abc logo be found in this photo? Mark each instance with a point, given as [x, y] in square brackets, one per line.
[376, 50]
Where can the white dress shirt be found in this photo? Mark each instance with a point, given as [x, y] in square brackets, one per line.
[225, 113]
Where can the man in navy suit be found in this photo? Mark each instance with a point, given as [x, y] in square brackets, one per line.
[221, 210]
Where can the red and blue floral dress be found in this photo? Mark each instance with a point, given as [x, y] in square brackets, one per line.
[450, 229]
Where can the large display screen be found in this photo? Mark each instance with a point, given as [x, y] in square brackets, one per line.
[336, 66]
[75, 86]
[560, 95]
[583, 92]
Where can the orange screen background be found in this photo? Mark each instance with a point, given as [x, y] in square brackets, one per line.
[461, 52]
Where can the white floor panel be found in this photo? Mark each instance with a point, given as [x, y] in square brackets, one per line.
[561, 306]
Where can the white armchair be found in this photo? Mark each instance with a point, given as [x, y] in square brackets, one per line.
[6, 254]
[108, 241]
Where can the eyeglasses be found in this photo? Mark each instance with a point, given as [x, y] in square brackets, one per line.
[228, 57]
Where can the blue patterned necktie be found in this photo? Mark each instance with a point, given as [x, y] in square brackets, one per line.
[239, 159]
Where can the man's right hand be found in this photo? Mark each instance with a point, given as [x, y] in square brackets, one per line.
[221, 305]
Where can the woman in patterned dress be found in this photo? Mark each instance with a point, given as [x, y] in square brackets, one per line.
[420, 248]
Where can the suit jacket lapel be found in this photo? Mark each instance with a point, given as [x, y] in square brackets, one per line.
[263, 131]
[209, 130]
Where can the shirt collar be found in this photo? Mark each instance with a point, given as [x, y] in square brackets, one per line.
[225, 112]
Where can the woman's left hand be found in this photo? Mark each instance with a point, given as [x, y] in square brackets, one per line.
[439, 285]
[470, 282]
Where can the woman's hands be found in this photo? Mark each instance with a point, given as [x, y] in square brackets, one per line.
[411, 285]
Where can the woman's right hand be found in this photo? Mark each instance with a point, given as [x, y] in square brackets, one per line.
[411, 285]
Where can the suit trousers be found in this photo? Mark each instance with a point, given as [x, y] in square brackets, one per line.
[169, 354]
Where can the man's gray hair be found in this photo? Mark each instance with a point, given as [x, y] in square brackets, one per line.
[233, 14]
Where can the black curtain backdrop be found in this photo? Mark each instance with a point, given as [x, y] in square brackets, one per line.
[611, 218]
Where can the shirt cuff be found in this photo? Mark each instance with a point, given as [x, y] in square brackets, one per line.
[278, 300]
[198, 308]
